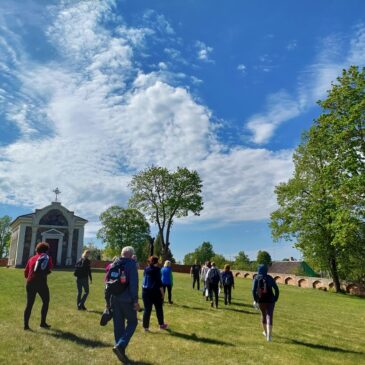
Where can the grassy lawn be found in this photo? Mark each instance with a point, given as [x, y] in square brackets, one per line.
[310, 327]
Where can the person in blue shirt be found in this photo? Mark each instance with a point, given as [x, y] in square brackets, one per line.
[167, 279]
[152, 294]
[125, 305]
[262, 291]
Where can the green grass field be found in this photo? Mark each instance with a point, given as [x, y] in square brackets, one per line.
[310, 327]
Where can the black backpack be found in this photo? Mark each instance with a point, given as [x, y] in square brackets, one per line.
[41, 265]
[263, 291]
[80, 268]
[116, 279]
[228, 279]
[214, 276]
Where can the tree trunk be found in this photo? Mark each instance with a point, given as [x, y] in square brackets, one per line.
[334, 273]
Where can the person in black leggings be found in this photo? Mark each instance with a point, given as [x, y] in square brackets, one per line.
[152, 293]
[262, 291]
[36, 271]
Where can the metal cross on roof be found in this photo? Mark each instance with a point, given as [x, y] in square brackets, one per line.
[57, 192]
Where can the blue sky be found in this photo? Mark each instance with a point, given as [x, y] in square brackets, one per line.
[93, 92]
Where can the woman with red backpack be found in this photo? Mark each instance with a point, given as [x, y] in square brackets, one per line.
[36, 271]
[262, 291]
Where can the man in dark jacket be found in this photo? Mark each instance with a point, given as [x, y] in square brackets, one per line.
[125, 305]
[262, 291]
[195, 274]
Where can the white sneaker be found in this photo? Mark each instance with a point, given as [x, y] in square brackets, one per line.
[264, 333]
[268, 338]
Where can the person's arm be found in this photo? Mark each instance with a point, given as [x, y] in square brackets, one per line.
[26, 270]
[232, 279]
[172, 278]
[191, 271]
[276, 289]
[133, 284]
[254, 290]
[50, 264]
[89, 270]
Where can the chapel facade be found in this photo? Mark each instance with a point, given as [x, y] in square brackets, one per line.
[54, 224]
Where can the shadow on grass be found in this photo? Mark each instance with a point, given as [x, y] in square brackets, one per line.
[241, 311]
[194, 337]
[188, 307]
[135, 362]
[321, 347]
[94, 311]
[242, 304]
[82, 341]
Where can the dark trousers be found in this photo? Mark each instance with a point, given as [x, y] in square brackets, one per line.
[152, 298]
[169, 289]
[227, 294]
[82, 283]
[123, 312]
[267, 313]
[34, 288]
[213, 288]
[197, 281]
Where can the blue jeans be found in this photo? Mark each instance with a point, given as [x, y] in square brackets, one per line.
[123, 311]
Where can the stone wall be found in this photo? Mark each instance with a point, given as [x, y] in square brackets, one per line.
[306, 282]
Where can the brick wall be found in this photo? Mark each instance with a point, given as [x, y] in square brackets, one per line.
[99, 264]
[3, 262]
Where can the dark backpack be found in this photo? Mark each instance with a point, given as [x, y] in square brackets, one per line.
[214, 276]
[263, 291]
[41, 265]
[80, 268]
[228, 279]
[116, 279]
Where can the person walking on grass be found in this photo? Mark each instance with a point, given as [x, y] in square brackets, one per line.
[262, 291]
[35, 272]
[123, 280]
[83, 274]
[167, 279]
[203, 275]
[213, 280]
[152, 294]
[228, 283]
[195, 274]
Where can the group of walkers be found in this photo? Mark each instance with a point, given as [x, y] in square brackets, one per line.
[265, 291]
[213, 281]
[121, 291]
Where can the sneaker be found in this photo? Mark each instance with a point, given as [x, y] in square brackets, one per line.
[146, 329]
[268, 338]
[212, 304]
[26, 328]
[44, 325]
[171, 302]
[163, 326]
[120, 352]
[106, 317]
[83, 307]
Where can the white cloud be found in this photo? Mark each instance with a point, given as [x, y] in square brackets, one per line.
[293, 44]
[313, 84]
[204, 51]
[242, 68]
[91, 118]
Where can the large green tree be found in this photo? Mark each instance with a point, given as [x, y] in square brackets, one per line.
[124, 227]
[165, 196]
[242, 261]
[4, 235]
[322, 206]
[263, 257]
[201, 254]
